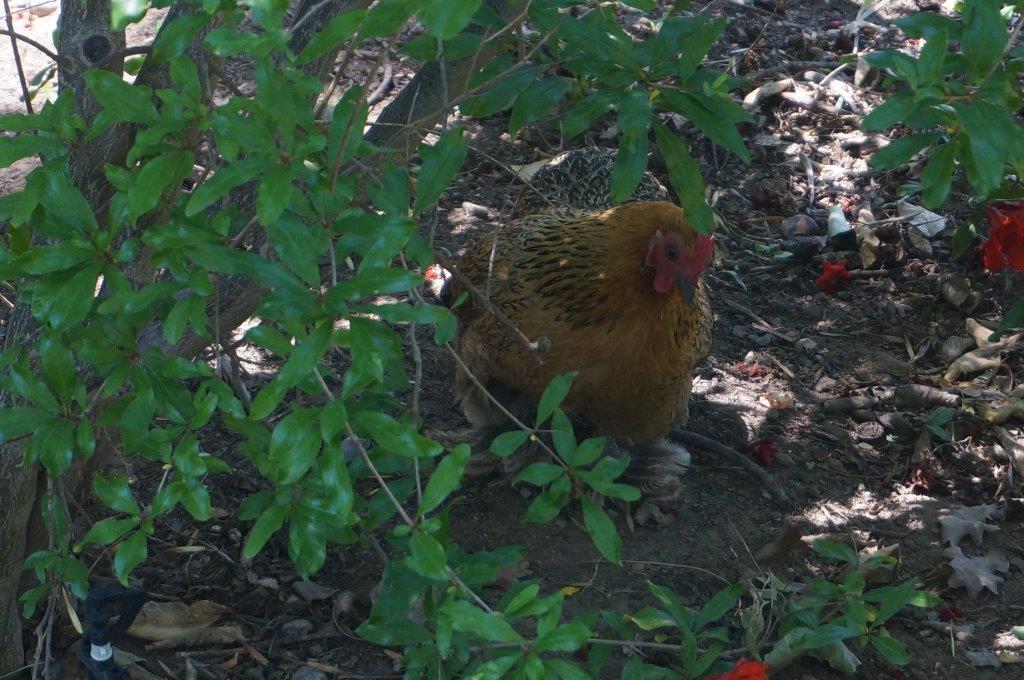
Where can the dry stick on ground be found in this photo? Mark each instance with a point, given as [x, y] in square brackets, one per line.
[767, 480]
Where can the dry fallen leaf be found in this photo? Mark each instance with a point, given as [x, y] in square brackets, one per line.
[968, 522]
[218, 635]
[976, 573]
[164, 620]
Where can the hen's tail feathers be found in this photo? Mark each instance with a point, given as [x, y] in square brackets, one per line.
[655, 469]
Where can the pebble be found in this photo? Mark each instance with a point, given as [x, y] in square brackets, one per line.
[310, 591]
[297, 627]
[806, 345]
[800, 225]
[307, 673]
[475, 209]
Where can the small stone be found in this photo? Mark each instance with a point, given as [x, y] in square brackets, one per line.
[800, 225]
[297, 628]
[869, 431]
[806, 345]
[307, 673]
[764, 340]
[750, 357]
[310, 591]
[740, 331]
[268, 582]
[826, 384]
[474, 209]
[234, 535]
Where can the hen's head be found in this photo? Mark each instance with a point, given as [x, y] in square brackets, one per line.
[677, 254]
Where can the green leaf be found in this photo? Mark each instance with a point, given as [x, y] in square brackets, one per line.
[124, 12]
[339, 29]
[154, 178]
[121, 102]
[370, 282]
[445, 18]
[601, 478]
[115, 493]
[446, 478]
[294, 447]
[929, 64]
[18, 421]
[986, 127]
[467, 618]
[719, 605]
[898, 152]
[567, 638]
[222, 181]
[195, 498]
[1013, 319]
[549, 502]
[686, 179]
[333, 421]
[553, 396]
[54, 447]
[500, 95]
[398, 438]
[631, 161]
[507, 443]
[1018, 631]
[536, 101]
[893, 110]
[602, 530]
[20, 146]
[650, 618]
[714, 124]
[274, 194]
[588, 451]
[131, 552]
[73, 304]
[108, 530]
[540, 474]
[834, 550]
[175, 36]
[563, 436]
[441, 162]
[984, 36]
[267, 524]
[937, 175]
[894, 651]
[427, 556]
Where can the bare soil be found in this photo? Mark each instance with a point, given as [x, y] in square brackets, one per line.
[776, 334]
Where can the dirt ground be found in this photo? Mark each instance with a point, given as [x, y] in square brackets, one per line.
[855, 469]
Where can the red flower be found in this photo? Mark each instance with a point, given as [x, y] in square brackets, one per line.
[745, 670]
[1005, 244]
[834, 276]
[763, 451]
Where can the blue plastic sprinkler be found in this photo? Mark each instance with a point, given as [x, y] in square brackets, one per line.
[96, 654]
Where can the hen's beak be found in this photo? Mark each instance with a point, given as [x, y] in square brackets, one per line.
[684, 287]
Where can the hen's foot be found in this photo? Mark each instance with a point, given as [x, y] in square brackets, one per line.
[656, 470]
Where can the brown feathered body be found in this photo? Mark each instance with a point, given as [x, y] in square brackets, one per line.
[579, 280]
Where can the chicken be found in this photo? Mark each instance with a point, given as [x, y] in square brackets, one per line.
[581, 179]
[617, 293]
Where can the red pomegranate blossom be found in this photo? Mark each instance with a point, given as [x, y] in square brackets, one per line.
[745, 670]
[834, 276]
[1005, 245]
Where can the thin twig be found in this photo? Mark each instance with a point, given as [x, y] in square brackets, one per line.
[533, 347]
[767, 480]
[17, 58]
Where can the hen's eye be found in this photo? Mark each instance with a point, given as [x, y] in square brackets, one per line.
[671, 252]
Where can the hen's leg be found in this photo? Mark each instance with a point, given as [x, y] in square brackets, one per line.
[656, 469]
